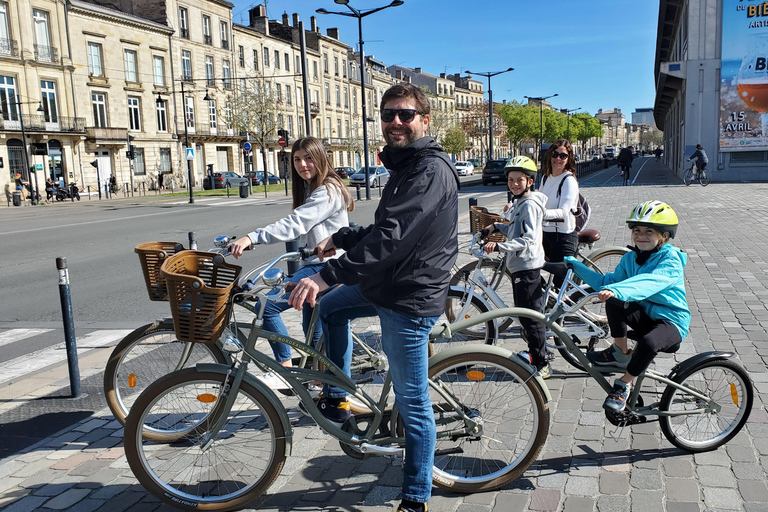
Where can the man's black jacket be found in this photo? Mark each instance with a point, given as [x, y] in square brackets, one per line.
[403, 260]
[625, 156]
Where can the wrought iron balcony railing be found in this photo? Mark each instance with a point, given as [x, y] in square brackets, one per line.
[207, 40]
[46, 53]
[37, 123]
[9, 47]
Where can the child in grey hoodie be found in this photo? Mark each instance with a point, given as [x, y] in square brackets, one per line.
[524, 253]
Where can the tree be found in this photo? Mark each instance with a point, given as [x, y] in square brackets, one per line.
[354, 143]
[554, 125]
[522, 122]
[587, 128]
[454, 141]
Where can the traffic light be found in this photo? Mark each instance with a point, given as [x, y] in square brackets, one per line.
[131, 153]
[282, 133]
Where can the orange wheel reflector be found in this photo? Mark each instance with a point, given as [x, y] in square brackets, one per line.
[467, 316]
[475, 375]
[206, 398]
[132, 380]
[734, 394]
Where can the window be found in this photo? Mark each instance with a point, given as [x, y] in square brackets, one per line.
[279, 91]
[255, 60]
[346, 97]
[325, 63]
[327, 94]
[241, 56]
[95, 64]
[354, 100]
[48, 93]
[301, 126]
[130, 66]
[207, 39]
[189, 112]
[336, 66]
[338, 97]
[266, 57]
[99, 102]
[344, 68]
[317, 98]
[186, 65]
[225, 74]
[327, 126]
[5, 33]
[288, 94]
[158, 67]
[212, 115]
[299, 97]
[298, 64]
[139, 167]
[8, 98]
[317, 128]
[43, 50]
[314, 69]
[209, 74]
[290, 126]
[162, 118]
[183, 22]
[134, 114]
[346, 129]
[287, 60]
[224, 29]
[338, 128]
[165, 160]
[277, 59]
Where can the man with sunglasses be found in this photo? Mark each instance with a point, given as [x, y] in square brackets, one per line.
[399, 266]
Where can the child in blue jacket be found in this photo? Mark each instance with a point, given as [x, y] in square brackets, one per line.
[646, 292]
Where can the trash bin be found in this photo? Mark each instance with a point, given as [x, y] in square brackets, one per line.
[17, 198]
[244, 190]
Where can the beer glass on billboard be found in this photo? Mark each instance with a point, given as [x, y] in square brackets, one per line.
[752, 81]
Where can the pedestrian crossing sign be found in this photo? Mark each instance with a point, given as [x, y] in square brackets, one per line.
[190, 153]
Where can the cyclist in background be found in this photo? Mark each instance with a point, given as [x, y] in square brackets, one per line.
[646, 292]
[657, 152]
[625, 162]
[701, 159]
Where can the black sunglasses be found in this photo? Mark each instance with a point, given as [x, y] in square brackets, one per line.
[562, 156]
[406, 115]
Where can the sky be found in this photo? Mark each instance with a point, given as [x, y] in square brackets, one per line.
[593, 53]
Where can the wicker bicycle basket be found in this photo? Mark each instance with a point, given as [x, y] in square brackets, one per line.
[199, 285]
[152, 255]
[479, 217]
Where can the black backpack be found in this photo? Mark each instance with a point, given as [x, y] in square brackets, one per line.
[582, 211]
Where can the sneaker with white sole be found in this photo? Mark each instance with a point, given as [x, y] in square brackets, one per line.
[616, 400]
[611, 356]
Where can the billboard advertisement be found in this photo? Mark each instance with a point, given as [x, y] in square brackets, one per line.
[744, 76]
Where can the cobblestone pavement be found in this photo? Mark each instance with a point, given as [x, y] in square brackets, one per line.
[581, 468]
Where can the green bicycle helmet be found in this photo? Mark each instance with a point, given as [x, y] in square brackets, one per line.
[522, 164]
[655, 214]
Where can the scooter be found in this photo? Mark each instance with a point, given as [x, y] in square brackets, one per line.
[74, 192]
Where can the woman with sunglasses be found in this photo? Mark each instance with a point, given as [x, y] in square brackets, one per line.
[562, 190]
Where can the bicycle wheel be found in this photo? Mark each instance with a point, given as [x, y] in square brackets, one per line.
[602, 261]
[704, 177]
[499, 278]
[510, 411]
[688, 177]
[456, 308]
[723, 381]
[241, 462]
[142, 357]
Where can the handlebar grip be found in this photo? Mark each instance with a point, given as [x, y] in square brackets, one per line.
[484, 233]
[307, 253]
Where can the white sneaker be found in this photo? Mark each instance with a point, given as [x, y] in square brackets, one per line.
[273, 381]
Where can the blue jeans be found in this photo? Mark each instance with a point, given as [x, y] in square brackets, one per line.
[404, 338]
[273, 322]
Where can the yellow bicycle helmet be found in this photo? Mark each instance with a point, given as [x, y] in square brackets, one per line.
[655, 214]
[522, 164]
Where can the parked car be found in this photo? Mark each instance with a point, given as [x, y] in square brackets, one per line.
[345, 172]
[376, 176]
[596, 156]
[258, 178]
[221, 179]
[465, 168]
[494, 171]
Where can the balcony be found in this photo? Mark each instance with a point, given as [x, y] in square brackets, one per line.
[225, 44]
[205, 130]
[187, 78]
[210, 81]
[106, 135]
[207, 40]
[46, 53]
[227, 84]
[37, 123]
[314, 108]
[9, 47]
[184, 33]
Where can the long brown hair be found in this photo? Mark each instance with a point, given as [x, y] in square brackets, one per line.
[570, 164]
[325, 174]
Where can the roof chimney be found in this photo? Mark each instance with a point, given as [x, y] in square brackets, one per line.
[258, 19]
[312, 24]
[285, 19]
[295, 20]
[442, 75]
[333, 32]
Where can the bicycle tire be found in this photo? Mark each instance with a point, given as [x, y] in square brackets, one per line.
[179, 472]
[601, 261]
[514, 426]
[130, 368]
[711, 379]
[688, 177]
[704, 177]
[481, 334]
[499, 278]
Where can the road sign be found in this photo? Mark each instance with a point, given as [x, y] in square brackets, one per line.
[190, 153]
[247, 146]
[38, 167]
[282, 141]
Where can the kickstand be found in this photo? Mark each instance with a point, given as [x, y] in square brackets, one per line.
[620, 431]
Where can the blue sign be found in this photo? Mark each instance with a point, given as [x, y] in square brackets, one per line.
[247, 146]
[190, 153]
[674, 67]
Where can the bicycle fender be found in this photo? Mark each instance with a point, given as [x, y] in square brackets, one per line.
[266, 391]
[683, 366]
[497, 351]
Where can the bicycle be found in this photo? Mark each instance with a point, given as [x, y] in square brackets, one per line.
[696, 174]
[222, 436]
[706, 401]
[625, 174]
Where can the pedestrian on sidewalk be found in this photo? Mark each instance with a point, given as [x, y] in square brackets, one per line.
[400, 265]
[160, 178]
[320, 206]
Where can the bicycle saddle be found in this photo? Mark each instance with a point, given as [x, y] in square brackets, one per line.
[589, 236]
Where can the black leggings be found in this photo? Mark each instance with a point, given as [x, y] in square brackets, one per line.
[653, 336]
[529, 294]
[557, 246]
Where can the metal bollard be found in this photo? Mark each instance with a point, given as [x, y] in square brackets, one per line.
[69, 327]
[143, 188]
[227, 189]
[472, 202]
[358, 192]
[293, 266]
[192, 240]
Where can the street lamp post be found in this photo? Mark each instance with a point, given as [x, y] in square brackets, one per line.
[540, 99]
[186, 144]
[356, 13]
[40, 108]
[488, 75]
[568, 121]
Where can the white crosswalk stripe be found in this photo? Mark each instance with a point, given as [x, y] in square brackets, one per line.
[29, 363]
[14, 335]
